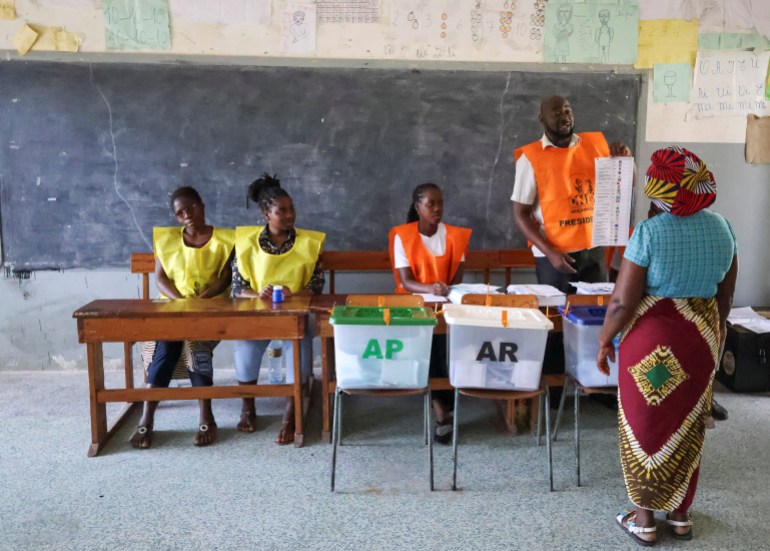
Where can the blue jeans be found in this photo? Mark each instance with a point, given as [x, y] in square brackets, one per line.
[248, 358]
[164, 361]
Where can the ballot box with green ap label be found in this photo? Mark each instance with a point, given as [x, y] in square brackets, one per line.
[495, 347]
[381, 347]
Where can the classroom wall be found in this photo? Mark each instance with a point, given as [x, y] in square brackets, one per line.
[36, 328]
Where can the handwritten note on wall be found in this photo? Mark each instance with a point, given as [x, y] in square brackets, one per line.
[666, 41]
[137, 24]
[730, 83]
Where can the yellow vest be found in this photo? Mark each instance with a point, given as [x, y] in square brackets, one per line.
[292, 269]
[191, 269]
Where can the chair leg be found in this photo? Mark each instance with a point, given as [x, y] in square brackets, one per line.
[577, 433]
[561, 408]
[426, 426]
[430, 440]
[454, 441]
[548, 439]
[335, 431]
[540, 417]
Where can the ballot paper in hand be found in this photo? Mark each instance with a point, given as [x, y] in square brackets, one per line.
[547, 295]
[612, 201]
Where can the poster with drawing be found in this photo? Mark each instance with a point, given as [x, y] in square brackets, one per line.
[298, 28]
[436, 28]
[591, 32]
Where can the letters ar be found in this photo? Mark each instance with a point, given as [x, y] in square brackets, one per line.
[506, 352]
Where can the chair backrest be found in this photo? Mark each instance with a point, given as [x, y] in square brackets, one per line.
[143, 263]
[509, 301]
[409, 301]
[588, 300]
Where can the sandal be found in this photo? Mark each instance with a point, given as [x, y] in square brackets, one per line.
[204, 429]
[286, 434]
[442, 434]
[142, 437]
[687, 536]
[632, 529]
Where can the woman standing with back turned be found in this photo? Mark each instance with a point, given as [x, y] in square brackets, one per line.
[671, 301]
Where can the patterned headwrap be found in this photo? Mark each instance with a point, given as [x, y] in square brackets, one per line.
[679, 182]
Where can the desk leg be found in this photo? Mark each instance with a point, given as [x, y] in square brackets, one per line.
[98, 410]
[326, 413]
[298, 413]
[128, 354]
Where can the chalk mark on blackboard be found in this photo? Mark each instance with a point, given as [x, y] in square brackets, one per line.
[499, 149]
[115, 161]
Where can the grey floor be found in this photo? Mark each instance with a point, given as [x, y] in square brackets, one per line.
[247, 493]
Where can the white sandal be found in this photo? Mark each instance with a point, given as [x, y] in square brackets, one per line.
[687, 536]
[632, 529]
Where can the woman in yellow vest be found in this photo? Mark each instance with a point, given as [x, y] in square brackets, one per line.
[427, 257]
[277, 253]
[191, 261]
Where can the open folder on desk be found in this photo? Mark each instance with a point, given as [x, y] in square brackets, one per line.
[547, 295]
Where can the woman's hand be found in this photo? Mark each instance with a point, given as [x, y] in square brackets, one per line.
[606, 350]
[266, 293]
[440, 288]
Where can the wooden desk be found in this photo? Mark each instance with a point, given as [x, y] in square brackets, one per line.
[190, 319]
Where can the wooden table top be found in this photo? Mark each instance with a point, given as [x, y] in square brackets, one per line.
[191, 307]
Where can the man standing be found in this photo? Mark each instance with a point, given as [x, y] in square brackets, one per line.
[553, 197]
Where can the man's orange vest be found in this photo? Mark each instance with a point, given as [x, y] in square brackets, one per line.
[566, 181]
[427, 268]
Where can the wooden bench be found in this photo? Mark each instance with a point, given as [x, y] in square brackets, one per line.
[486, 262]
[483, 261]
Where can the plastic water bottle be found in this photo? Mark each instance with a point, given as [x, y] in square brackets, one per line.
[276, 369]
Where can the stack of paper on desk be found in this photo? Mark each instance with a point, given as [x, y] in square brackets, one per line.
[457, 292]
[748, 318]
[547, 295]
[584, 288]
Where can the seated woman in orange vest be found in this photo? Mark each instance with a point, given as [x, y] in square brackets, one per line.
[277, 254]
[427, 257]
[191, 261]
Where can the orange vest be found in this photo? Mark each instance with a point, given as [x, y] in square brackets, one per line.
[427, 268]
[566, 179]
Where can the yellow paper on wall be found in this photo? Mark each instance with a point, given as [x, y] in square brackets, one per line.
[667, 41]
[8, 9]
[67, 42]
[54, 39]
[24, 39]
[46, 38]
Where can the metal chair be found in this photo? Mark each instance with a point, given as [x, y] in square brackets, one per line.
[509, 301]
[402, 301]
[580, 390]
[507, 395]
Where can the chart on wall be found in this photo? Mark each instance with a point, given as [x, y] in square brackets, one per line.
[591, 32]
[436, 28]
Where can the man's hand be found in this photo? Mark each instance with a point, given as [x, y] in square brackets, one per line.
[619, 149]
[562, 262]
